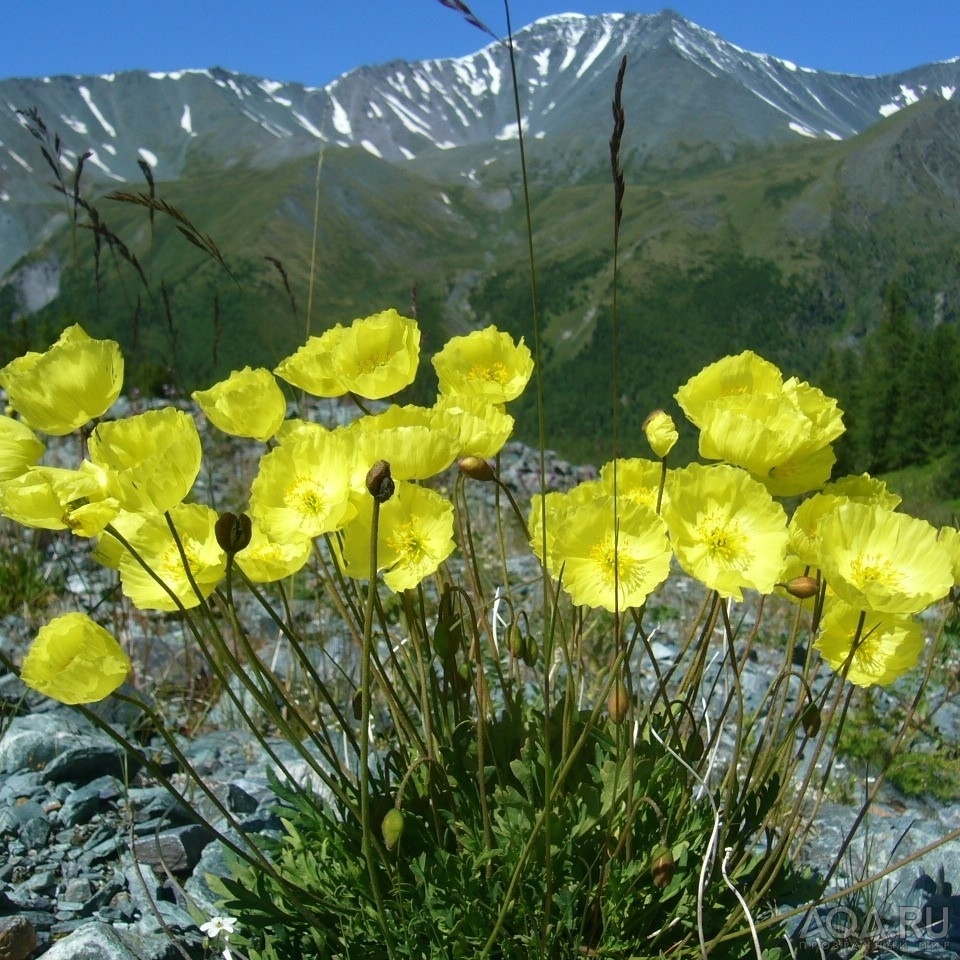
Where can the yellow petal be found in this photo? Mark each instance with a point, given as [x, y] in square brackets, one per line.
[247, 404]
[486, 364]
[74, 660]
[152, 458]
[77, 379]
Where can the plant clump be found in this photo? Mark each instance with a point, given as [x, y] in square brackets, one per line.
[511, 769]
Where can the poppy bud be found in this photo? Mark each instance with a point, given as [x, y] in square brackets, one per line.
[233, 531]
[663, 867]
[516, 642]
[379, 482]
[618, 703]
[693, 750]
[444, 640]
[476, 468]
[802, 587]
[531, 652]
[391, 827]
[810, 719]
[661, 432]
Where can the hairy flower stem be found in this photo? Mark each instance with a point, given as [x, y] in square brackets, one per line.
[366, 656]
[264, 701]
[542, 447]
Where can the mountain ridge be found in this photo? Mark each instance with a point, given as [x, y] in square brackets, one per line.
[768, 206]
[397, 110]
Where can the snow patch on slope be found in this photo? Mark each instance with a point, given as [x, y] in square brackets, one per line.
[92, 107]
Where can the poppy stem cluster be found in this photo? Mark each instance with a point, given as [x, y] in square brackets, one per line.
[360, 511]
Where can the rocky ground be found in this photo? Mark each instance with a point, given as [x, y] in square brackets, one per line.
[102, 863]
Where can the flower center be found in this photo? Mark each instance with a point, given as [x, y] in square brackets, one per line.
[407, 544]
[493, 372]
[870, 568]
[307, 498]
[724, 540]
[372, 362]
[615, 567]
[170, 567]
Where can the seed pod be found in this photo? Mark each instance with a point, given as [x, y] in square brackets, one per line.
[810, 719]
[476, 468]
[444, 640]
[233, 531]
[663, 867]
[693, 750]
[802, 587]
[531, 652]
[516, 642]
[391, 827]
[618, 703]
[379, 482]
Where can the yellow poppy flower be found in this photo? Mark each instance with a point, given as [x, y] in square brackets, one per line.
[19, 448]
[151, 537]
[74, 660]
[152, 458]
[481, 428]
[77, 379]
[417, 442]
[888, 647]
[302, 487]
[863, 489]
[556, 507]
[726, 529]
[608, 568]
[415, 535]
[804, 525]
[57, 498]
[822, 411]
[247, 404]
[374, 358]
[31, 501]
[950, 538]
[637, 480]
[779, 432]
[311, 367]
[804, 470]
[746, 373]
[378, 355]
[486, 364]
[265, 560]
[875, 559]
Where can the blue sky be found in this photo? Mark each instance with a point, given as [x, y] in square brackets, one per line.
[313, 41]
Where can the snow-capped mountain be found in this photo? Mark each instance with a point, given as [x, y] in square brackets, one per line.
[686, 88]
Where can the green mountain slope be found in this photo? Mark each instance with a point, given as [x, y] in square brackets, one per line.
[785, 251]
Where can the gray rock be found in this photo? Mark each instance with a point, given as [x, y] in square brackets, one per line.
[77, 890]
[176, 850]
[83, 803]
[154, 946]
[30, 742]
[167, 917]
[19, 785]
[103, 850]
[35, 833]
[200, 885]
[92, 941]
[84, 761]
